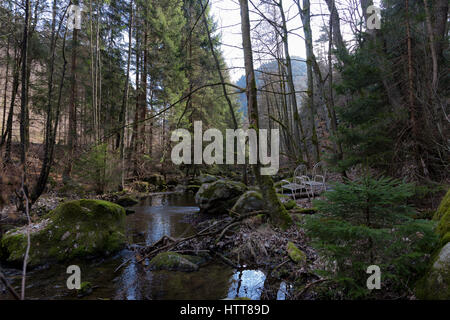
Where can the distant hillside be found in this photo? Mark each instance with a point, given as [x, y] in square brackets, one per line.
[299, 71]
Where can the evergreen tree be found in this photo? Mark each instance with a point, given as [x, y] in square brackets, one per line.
[368, 222]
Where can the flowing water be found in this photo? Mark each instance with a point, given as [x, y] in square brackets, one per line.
[154, 217]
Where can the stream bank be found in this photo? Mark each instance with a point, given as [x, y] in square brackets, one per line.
[169, 214]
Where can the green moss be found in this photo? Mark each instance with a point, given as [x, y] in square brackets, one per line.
[445, 239]
[173, 261]
[444, 224]
[435, 285]
[79, 228]
[297, 255]
[289, 205]
[219, 196]
[156, 179]
[141, 186]
[250, 201]
[278, 213]
[305, 210]
[444, 207]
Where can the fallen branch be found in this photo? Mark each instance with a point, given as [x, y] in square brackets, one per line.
[175, 242]
[310, 285]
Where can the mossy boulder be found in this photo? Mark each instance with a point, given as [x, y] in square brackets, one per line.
[250, 201]
[219, 196]
[142, 186]
[193, 188]
[444, 207]
[75, 229]
[445, 239]
[443, 226]
[173, 261]
[207, 178]
[435, 285]
[156, 180]
[296, 255]
[126, 201]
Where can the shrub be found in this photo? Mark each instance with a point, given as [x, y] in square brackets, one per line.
[367, 222]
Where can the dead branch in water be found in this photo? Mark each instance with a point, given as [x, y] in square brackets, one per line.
[169, 243]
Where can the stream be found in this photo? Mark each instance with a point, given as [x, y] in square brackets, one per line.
[154, 217]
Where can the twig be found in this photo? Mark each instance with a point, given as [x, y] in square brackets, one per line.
[310, 285]
[225, 230]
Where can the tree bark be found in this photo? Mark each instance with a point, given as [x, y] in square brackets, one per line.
[72, 134]
[24, 91]
[275, 209]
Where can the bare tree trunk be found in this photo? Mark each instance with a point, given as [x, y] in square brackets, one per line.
[135, 136]
[50, 128]
[72, 134]
[276, 210]
[337, 35]
[6, 85]
[432, 47]
[298, 131]
[24, 92]
[305, 15]
[123, 112]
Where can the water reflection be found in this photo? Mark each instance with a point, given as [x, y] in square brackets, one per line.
[159, 215]
[247, 283]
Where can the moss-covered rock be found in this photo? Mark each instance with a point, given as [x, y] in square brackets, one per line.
[156, 180]
[444, 224]
[435, 285]
[299, 210]
[207, 178]
[250, 201]
[75, 229]
[174, 262]
[444, 207]
[219, 196]
[126, 201]
[445, 239]
[287, 201]
[296, 255]
[141, 186]
[193, 188]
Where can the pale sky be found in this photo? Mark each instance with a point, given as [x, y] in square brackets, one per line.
[227, 15]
